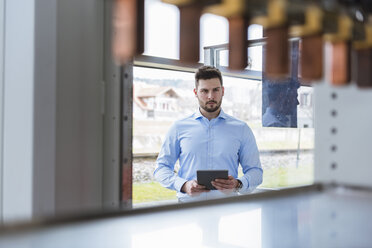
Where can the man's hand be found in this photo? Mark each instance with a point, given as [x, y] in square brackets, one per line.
[225, 185]
[192, 188]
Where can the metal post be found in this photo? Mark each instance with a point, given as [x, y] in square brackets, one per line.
[111, 111]
[127, 130]
[298, 146]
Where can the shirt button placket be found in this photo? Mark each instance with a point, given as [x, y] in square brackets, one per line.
[209, 147]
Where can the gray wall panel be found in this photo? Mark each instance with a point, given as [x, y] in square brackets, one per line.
[79, 119]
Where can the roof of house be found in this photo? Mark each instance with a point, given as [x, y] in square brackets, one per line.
[155, 91]
[140, 103]
[146, 92]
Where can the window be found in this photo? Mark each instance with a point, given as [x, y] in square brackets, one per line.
[286, 153]
[162, 30]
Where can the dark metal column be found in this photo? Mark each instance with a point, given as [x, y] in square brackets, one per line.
[126, 195]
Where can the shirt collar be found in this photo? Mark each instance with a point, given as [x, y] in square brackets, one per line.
[198, 114]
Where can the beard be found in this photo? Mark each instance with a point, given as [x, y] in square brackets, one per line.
[208, 108]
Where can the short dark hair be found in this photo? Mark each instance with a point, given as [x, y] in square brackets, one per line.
[207, 72]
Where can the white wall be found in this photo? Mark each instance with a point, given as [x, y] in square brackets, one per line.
[53, 122]
[18, 109]
[343, 136]
[2, 22]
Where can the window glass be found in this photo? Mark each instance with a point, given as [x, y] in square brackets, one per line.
[214, 30]
[163, 96]
[160, 97]
[161, 29]
[255, 53]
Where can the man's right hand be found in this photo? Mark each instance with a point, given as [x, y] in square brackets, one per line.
[192, 188]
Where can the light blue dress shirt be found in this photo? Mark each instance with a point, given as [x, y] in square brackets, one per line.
[199, 144]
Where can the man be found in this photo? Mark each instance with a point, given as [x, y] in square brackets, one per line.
[209, 140]
[283, 103]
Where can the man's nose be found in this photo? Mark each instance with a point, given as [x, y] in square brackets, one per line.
[210, 95]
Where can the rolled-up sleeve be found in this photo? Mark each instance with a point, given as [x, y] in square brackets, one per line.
[250, 161]
[168, 156]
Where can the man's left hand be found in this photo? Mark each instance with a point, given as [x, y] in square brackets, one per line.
[225, 185]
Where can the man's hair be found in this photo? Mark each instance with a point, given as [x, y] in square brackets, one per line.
[207, 72]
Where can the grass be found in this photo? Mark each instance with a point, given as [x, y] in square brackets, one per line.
[153, 191]
[272, 178]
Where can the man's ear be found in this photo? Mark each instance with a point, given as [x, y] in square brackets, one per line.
[195, 92]
[223, 91]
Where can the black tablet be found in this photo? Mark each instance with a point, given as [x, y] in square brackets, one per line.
[205, 177]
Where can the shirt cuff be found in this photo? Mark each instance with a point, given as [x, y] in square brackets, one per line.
[245, 183]
[178, 183]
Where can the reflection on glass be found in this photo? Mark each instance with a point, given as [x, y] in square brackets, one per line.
[280, 103]
[175, 235]
[249, 236]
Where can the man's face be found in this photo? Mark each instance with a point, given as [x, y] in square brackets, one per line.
[209, 94]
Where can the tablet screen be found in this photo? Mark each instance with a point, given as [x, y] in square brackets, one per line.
[204, 177]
